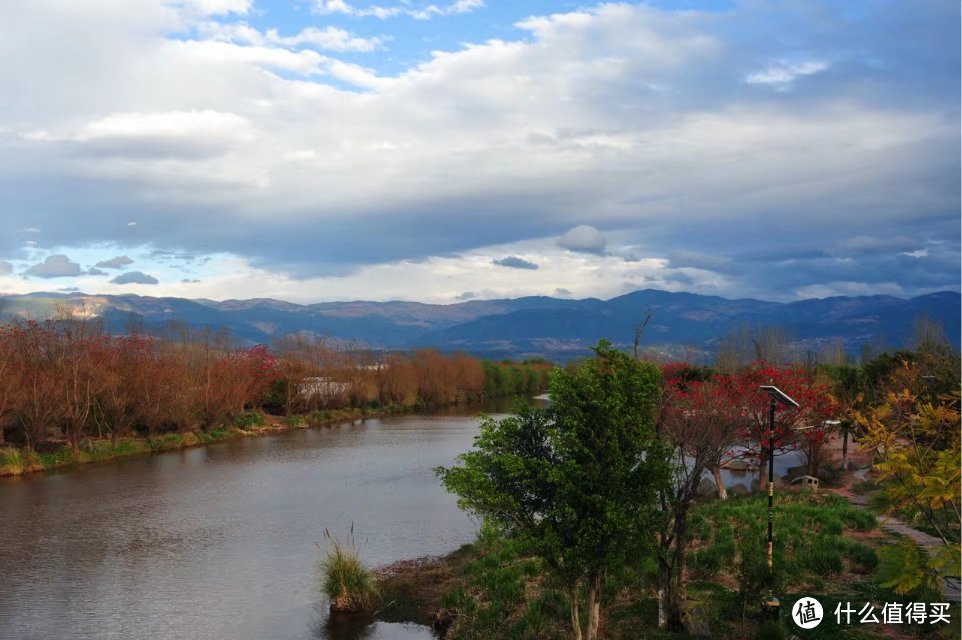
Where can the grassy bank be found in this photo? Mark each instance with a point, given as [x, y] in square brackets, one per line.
[825, 548]
[16, 461]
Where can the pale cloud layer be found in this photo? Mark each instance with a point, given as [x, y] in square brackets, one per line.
[612, 147]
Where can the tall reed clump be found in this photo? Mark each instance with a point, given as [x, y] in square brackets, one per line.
[348, 584]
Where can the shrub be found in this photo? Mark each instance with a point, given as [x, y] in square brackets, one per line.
[294, 421]
[250, 419]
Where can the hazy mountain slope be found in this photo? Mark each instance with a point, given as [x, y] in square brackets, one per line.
[553, 327]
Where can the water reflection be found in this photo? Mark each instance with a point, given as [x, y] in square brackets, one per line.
[219, 542]
[365, 628]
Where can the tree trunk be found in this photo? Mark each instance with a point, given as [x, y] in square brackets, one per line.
[720, 484]
[675, 592]
[594, 605]
[575, 616]
[844, 450]
[664, 589]
[763, 471]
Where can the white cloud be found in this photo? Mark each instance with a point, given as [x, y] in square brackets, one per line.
[781, 75]
[623, 117]
[214, 7]
[330, 38]
[418, 11]
[918, 253]
[466, 6]
[469, 276]
[583, 238]
[832, 289]
[55, 266]
[215, 54]
[173, 133]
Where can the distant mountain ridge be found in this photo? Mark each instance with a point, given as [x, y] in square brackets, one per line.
[523, 327]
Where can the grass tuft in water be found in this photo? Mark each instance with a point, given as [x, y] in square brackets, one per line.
[348, 584]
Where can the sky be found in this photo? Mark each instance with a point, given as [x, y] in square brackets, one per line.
[449, 150]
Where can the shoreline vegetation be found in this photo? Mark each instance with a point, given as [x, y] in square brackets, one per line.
[71, 393]
[494, 588]
[15, 461]
[701, 570]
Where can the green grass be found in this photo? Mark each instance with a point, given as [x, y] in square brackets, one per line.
[347, 583]
[809, 540]
[14, 462]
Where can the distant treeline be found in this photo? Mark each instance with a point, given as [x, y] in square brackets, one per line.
[65, 380]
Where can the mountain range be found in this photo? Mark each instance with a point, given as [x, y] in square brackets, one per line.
[555, 328]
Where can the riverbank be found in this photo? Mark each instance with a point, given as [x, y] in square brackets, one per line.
[493, 589]
[21, 461]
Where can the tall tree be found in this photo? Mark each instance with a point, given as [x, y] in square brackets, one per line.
[698, 421]
[916, 441]
[578, 482]
[815, 406]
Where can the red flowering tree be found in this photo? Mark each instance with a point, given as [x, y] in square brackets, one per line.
[815, 406]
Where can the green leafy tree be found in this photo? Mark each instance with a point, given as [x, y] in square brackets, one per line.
[577, 483]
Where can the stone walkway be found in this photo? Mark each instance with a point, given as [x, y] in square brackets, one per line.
[951, 586]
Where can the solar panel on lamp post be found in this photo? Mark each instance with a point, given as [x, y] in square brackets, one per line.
[776, 396]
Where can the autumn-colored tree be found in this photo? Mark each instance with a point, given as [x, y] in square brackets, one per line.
[916, 442]
[815, 406]
[114, 412]
[37, 353]
[9, 384]
[698, 421]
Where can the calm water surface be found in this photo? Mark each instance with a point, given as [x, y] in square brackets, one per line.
[218, 542]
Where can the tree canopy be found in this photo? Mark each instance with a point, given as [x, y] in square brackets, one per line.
[577, 482]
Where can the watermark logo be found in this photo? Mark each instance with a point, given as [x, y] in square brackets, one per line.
[894, 613]
[807, 612]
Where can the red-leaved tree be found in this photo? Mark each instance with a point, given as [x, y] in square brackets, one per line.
[815, 406]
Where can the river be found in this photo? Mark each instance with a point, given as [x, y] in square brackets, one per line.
[221, 542]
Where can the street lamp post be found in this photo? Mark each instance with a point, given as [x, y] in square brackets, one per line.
[776, 396]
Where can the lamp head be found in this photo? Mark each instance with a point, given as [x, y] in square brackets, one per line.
[778, 395]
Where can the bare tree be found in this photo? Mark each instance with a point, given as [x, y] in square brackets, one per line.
[640, 330]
